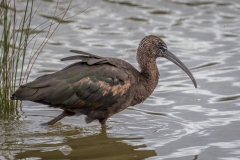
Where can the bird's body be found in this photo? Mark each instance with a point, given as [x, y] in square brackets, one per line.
[97, 87]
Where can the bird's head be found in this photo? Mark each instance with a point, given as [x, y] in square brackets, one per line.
[152, 47]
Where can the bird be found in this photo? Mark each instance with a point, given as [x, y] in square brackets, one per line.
[99, 87]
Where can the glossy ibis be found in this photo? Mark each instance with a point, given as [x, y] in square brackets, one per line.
[100, 87]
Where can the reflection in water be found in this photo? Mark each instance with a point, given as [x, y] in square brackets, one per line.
[66, 142]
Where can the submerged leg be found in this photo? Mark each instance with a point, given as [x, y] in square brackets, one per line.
[58, 118]
[103, 122]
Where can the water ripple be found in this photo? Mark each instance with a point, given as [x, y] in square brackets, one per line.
[177, 121]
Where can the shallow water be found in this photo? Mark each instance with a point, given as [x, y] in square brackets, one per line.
[177, 121]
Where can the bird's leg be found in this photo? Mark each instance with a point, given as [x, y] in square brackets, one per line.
[58, 118]
[103, 122]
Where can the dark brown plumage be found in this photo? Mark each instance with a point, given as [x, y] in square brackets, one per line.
[100, 87]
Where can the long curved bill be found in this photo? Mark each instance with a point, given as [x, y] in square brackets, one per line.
[170, 56]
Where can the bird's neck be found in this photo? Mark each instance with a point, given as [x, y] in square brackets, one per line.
[147, 82]
[150, 74]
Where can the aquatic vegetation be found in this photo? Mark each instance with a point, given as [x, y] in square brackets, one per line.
[16, 56]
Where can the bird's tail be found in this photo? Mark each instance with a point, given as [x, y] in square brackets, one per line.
[25, 93]
[13, 97]
[33, 91]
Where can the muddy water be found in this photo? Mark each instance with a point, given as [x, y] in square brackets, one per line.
[177, 121]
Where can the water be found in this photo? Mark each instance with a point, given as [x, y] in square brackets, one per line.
[177, 121]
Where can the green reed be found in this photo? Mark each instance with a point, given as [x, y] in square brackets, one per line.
[16, 37]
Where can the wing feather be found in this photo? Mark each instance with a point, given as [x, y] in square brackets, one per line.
[85, 53]
[95, 82]
[96, 91]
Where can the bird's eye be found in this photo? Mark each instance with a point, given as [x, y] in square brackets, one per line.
[163, 48]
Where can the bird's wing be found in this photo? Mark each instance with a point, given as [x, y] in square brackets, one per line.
[95, 82]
